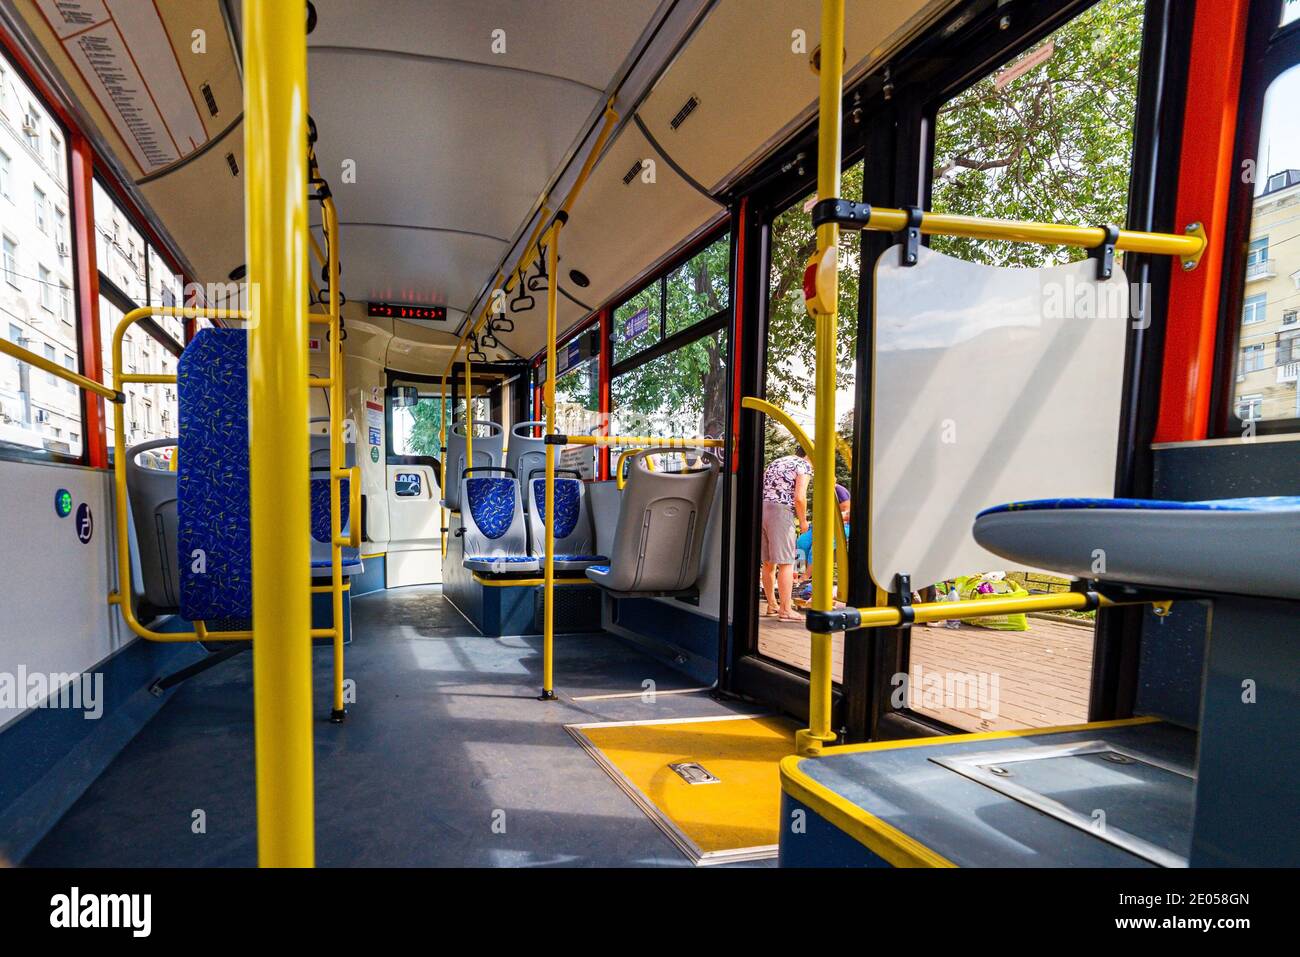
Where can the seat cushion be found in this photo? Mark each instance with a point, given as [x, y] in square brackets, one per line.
[1243, 546]
[500, 564]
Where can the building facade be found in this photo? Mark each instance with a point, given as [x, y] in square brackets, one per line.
[37, 409]
[1268, 352]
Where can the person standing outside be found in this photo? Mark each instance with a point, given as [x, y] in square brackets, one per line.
[785, 506]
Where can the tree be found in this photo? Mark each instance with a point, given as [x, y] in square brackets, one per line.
[1053, 145]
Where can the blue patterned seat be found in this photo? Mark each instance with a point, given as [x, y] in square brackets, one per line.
[574, 540]
[212, 477]
[213, 529]
[493, 524]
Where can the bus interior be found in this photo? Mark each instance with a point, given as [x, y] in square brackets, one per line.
[649, 433]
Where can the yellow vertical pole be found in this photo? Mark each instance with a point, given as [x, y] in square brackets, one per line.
[548, 398]
[275, 111]
[337, 470]
[824, 507]
[469, 411]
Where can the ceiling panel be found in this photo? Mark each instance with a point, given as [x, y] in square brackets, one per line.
[750, 91]
[584, 40]
[615, 232]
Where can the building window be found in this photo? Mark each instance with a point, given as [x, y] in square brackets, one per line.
[70, 363]
[1252, 358]
[45, 280]
[42, 206]
[10, 262]
[5, 175]
[32, 129]
[52, 356]
[1250, 406]
[1287, 352]
[1257, 258]
[56, 156]
[1254, 309]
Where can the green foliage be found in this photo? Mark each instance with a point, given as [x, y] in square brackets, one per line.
[1053, 145]
[426, 429]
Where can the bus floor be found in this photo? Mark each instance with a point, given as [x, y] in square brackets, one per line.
[447, 758]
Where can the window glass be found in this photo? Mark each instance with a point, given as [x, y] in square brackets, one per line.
[38, 411]
[417, 429]
[1048, 137]
[1290, 11]
[699, 288]
[577, 398]
[151, 408]
[682, 393]
[1268, 366]
[120, 249]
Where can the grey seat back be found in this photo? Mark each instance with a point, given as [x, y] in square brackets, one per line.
[152, 494]
[575, 541]
[487, 454]
[660, 532]
[492, 522]
[525, 453]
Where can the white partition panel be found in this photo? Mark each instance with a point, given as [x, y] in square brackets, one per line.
[991, 385]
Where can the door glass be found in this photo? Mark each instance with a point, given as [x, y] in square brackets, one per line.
[789, 370]
[1047, 137]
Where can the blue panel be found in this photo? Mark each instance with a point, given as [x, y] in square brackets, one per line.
[320, 508]
[809, 840]
[212, 477]
[568, 498]
[492, 504]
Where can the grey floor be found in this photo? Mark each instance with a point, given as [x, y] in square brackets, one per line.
[447, 758]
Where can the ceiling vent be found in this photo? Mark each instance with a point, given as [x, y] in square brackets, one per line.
[633, 172]
[687, 109]
[209, 98]
[234, 166]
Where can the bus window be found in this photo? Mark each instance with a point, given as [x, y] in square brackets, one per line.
[38, 412]
[785, 541]
[132, 273]
[417, 429]
[678, 388]
[1268, 328]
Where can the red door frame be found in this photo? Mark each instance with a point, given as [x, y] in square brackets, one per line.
[1205, 184]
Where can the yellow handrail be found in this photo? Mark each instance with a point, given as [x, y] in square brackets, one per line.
[1187, 246]
[54, 369]
[623, 456]
[890, 617]
[800, 436]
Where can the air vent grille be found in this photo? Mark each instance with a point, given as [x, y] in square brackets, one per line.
[687, 109]
[633, 172]
[209, 99]
[234, 166]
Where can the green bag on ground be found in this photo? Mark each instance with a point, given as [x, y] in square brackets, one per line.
[968, 589]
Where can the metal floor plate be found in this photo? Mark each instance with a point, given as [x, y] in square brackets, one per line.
[1116, 794]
